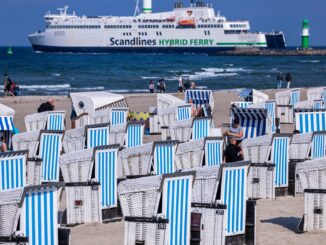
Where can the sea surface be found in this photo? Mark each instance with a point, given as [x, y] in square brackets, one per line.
[59, 73]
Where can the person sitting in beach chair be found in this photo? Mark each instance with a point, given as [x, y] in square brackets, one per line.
[233, 153]
[235, 131]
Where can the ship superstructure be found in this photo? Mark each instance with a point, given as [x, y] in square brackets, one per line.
[196, 28]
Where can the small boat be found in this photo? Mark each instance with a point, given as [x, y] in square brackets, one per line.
[9, 51]
[187, 23]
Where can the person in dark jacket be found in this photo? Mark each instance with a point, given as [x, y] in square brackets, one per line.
[47, 106]
[288, 80]
[233, 152]
[279, 80]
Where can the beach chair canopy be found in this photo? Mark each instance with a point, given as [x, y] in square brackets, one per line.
[271, 106]
[165, 101]
[190, 154]
[26, 141]
[300, 146]
[88, 102]
[312, 173]
[288, 97]
[310, 120]
[255, 122]
[316, 93]
[253, 95]
[200, 97]
[257, 150]
[6, 118]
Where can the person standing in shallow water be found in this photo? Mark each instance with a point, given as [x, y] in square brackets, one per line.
[279, 80]
[288, 80]
[151, 86]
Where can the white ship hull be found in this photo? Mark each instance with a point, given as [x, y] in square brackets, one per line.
[194, 29]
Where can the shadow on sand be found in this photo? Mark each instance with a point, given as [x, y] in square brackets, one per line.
[290, 223]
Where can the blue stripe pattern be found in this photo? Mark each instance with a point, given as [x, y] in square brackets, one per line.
[39, 219]
[271, 111]
[295, 97]
[164, 159]
[241, 104]
[6, 123]
[234, 196]
[318, 104]
[106, 174]
[253, 127]
[199, 97]
[176, 202]
[280, 157]
[50, 148]
[118, 117]
[213, 152]
[55, 121]
[318, 146]
[183, 113]
[134, 135]
[200, 128]
[12, 172]
[310, 121]
[97, 137]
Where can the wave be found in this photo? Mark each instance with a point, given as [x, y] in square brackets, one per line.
[147, 78]
[309, 61]
[45, 87]
[56, 74]
[220, 70]
[128, 90]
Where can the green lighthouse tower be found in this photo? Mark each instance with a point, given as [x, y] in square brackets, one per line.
[305, 34]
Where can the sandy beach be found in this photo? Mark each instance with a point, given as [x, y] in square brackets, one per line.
[276, 219]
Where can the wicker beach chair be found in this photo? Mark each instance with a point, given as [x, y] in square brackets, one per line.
[114, 116]
[201, 128]
[316, 93]
[13, 170]
[10, 203]
[164, 157]
[253, 95]
[200, 97]
[181, 130]
[257, 150]
[166, 101]
[26, 141]
[136, 160]
[56, 120]
[190, 155]
[97, 135]
[134, 135]
[286, 100]
[254, 121]
[310, 120]
[99, 117]
[36, 121]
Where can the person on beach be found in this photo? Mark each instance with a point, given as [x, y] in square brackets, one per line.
[161, 86]
[235, 131]
[151, 86]
[181, 86]
[5, 82]
[192, 85]
[47, 106]
[73, 117]
[186, 84]
[3, 145]
[279, 80]
[288, 80]
[233, 153]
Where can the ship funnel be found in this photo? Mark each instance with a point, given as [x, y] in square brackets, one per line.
[147, 6]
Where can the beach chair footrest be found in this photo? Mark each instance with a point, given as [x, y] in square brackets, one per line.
[235, 240]
[13, 239]
[281, 191]
[111, 214]
[64, 236]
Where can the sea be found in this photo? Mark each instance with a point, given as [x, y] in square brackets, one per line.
[61, 73]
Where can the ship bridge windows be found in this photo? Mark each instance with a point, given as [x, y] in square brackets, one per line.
[238, 25]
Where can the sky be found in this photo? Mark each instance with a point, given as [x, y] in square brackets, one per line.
[18, 18]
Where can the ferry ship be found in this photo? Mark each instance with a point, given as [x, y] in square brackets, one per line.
[196, 28]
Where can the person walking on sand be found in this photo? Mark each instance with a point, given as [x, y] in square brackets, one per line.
[47, 106]
[288, 80]
[279, 80]
[151, 86]
[181, 86]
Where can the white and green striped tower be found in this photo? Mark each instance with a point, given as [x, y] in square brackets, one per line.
[305, 34]
[147, 6]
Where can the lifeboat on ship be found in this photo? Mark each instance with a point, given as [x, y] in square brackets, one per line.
[190, 23]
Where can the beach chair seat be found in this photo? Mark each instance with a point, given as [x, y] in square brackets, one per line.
[164, 157]
[181, 130]
[74, 140]
[26, 141]
[212, 223]
[310, 120]
[97, 135]
[136, 160]
[254, 121]
[200, 97]
[190, 155]
[13, 170]
[39, 214]
[50, 148]
[134, 135]
[55, 120]
[10, 203]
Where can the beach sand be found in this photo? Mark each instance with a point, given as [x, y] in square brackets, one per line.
[276, 219]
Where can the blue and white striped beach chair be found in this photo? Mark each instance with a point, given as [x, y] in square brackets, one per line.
[201, 128]
[56, 120]
[39, 214]
[50, 148]
[183, 112]
[310, 120]
[241, 104]
[214, 151]
[13, 170]
[97, 135]
[254, 121]
[200, 97]
[281, 158]
[134, 135]
[118, 116]
[271, 111]
[164, 157]
[106, 164]
[295, 97]
[318, 145]
[176, 206]
[234, 195]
